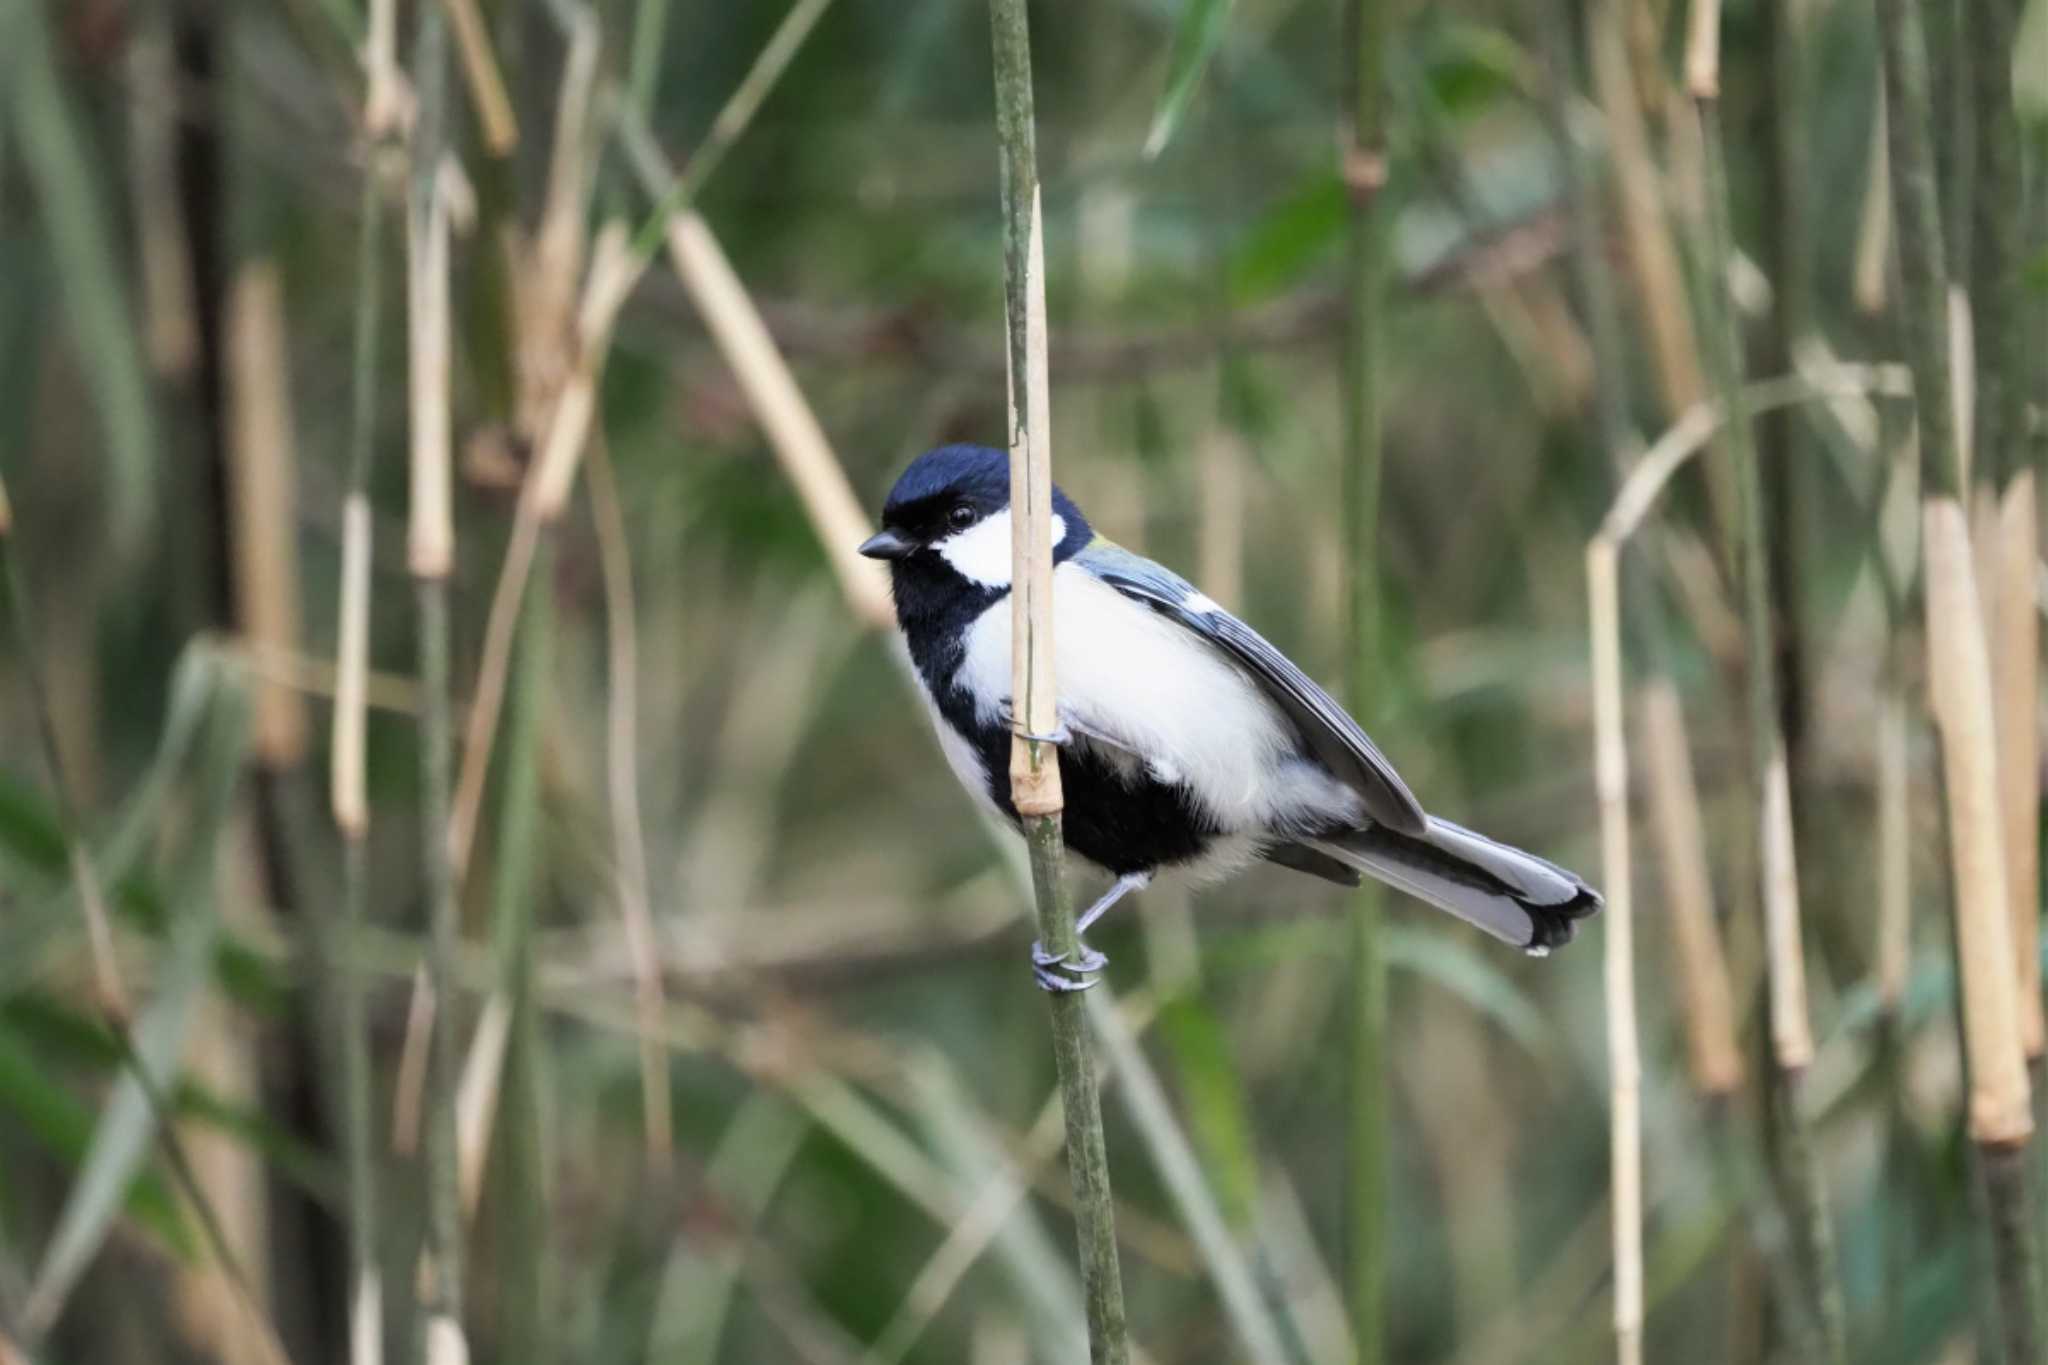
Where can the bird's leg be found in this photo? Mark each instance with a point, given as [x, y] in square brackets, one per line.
[1086, 961]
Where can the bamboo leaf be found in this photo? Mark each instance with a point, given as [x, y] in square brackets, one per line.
[128, 1124]
[63, 1126]
[1195, 39]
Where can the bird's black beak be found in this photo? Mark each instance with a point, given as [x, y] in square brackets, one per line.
[887, 544]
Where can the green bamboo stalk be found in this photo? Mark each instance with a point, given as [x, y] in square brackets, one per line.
[431, 552]
[1364, 165]
[1996, 294]
[526, 1326]
[1034, 764]
[1723, 352]
[1782, 436]
[1916, 207]
[2000, 1114]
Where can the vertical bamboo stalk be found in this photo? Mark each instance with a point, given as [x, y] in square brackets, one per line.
[263, 480]
[1791, 1035]
[1997, 306]
[347, 795]
[1610, 775]
[1711, 1048]
[1960, 696]
[1364, 170]
[1034, 764]
[430, 556]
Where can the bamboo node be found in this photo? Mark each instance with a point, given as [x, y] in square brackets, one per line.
[1364, 171]
[1035, 787]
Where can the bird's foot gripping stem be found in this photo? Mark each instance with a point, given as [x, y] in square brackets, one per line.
[1063, 972]
[1078, 971]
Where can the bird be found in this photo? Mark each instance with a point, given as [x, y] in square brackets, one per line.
[1189, 744]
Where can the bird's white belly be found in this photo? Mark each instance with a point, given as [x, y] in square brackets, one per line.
[1161, 692]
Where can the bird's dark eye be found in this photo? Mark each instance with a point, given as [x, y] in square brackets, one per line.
[960, 516]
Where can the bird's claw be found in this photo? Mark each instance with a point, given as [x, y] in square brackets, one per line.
[1064, 972]
[1061, 735]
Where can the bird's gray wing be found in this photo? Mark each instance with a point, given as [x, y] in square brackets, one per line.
[1331, 735]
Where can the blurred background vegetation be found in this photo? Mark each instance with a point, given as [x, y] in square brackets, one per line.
[751, 1067]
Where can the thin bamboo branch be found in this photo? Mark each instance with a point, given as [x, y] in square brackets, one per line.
[1711, 1047]
[486, 82]
[732, 120]
[347, 795]
[1363, 167]
[622, 755]
[430, 557]
[1610, 769]
[1871, 274]
[170, 310]
[1034, 763]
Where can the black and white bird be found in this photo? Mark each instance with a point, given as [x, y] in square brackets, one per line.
[1190, 743]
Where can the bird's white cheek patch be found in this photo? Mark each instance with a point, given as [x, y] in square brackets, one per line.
[981, 553]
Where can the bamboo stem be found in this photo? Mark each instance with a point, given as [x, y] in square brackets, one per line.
[348, 798]
[430, 556]
[1034, 764]
[623, 780]
[1363, 166]
[1960, 696]
[1624, 1066]
[1791, 1033]
[1711, 1047]
[1997, 304]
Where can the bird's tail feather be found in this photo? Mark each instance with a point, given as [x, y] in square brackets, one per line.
[1517, 897]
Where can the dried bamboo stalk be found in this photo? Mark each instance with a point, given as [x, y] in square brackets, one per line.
[263, 479]
[1624, 1065]
[622, 780]
[1959, 685]
[486, 83]
[2017, 685]
[1894, 853]
[1871, 273]
[169, 305]
[1711, 1048]
[786, 418]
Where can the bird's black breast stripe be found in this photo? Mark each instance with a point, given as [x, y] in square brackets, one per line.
[1118, 815]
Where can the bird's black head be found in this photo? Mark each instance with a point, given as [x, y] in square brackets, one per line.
[947, 523]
